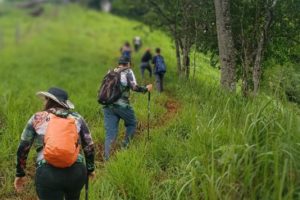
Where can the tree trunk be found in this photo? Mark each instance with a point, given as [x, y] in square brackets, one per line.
[246, 75]
[186, 61]
[246, 59]
[260, 48]
[257, 65]
[196, 47]
[225, 43]
[178, 57]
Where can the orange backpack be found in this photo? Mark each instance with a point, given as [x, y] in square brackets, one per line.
[61, 142]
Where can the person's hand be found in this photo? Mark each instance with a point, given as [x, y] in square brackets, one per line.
[19, 183]
[149, 87]
[92, 175]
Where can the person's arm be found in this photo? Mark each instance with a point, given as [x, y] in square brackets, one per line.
[27, 139]
[154, 60]
[144, 58]
[148, 57]
[133, 84]
[87, 146]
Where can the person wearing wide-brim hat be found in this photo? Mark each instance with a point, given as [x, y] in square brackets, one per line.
[121, 109]
[59, 96]
[55, 181]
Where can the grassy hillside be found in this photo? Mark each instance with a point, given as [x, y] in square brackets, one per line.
[204, 144]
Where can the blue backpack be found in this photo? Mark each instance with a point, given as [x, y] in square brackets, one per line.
[126, 54]
[160, 66]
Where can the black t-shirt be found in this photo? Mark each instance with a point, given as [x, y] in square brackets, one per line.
[147, 57]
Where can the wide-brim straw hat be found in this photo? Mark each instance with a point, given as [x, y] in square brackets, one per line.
[58, 95]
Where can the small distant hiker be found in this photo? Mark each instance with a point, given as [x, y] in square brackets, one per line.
[119, 108]
[137, 43]
[58, 134]
[126, 51]
[159, 69]
[146, 59]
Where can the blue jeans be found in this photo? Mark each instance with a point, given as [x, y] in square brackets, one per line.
[147, 66]
[112, 116]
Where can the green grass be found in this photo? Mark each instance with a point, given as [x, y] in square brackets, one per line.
[218, 145]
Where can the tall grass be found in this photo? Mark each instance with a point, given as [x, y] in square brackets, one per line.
[217, 145]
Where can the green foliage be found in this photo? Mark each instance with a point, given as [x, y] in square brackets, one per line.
[72, 51]
[248, 20]
[284, 82]
[213, 146]
[192, 23]
[128, 175]
[133, 9]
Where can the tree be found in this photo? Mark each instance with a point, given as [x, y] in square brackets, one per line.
[262, 30]
[226, 45]
[180, 19]
[245, 34]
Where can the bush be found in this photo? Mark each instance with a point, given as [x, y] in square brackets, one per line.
[284, 82]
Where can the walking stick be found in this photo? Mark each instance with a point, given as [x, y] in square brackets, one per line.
[149, 115]
[87, 187]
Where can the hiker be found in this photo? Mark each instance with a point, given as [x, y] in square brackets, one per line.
[121, 109]
[137, 43]
[58, 133]
[159, 69]
[147, 57]
[126, 51]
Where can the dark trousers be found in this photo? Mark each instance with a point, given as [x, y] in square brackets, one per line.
[137, 47]
[159, 82]
[145, 65]
[57, 184]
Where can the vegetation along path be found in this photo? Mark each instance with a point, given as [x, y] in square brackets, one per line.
[172, 107]
[205, 143]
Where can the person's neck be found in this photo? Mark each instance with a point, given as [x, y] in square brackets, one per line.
[122, 66]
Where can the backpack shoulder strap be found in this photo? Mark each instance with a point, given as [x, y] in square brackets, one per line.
[119, 70]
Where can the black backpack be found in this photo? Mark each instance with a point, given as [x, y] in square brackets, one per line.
[110, 90]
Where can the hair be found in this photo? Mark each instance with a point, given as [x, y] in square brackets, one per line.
[124, 65]
[157, 50]
[127, 44]
[52, 104]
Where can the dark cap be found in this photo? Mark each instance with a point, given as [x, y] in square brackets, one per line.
[124, 60]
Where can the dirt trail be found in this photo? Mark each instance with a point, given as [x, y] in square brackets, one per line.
[172, 106]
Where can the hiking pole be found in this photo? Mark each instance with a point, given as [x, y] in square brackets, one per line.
[149, 115]
[87, 188]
